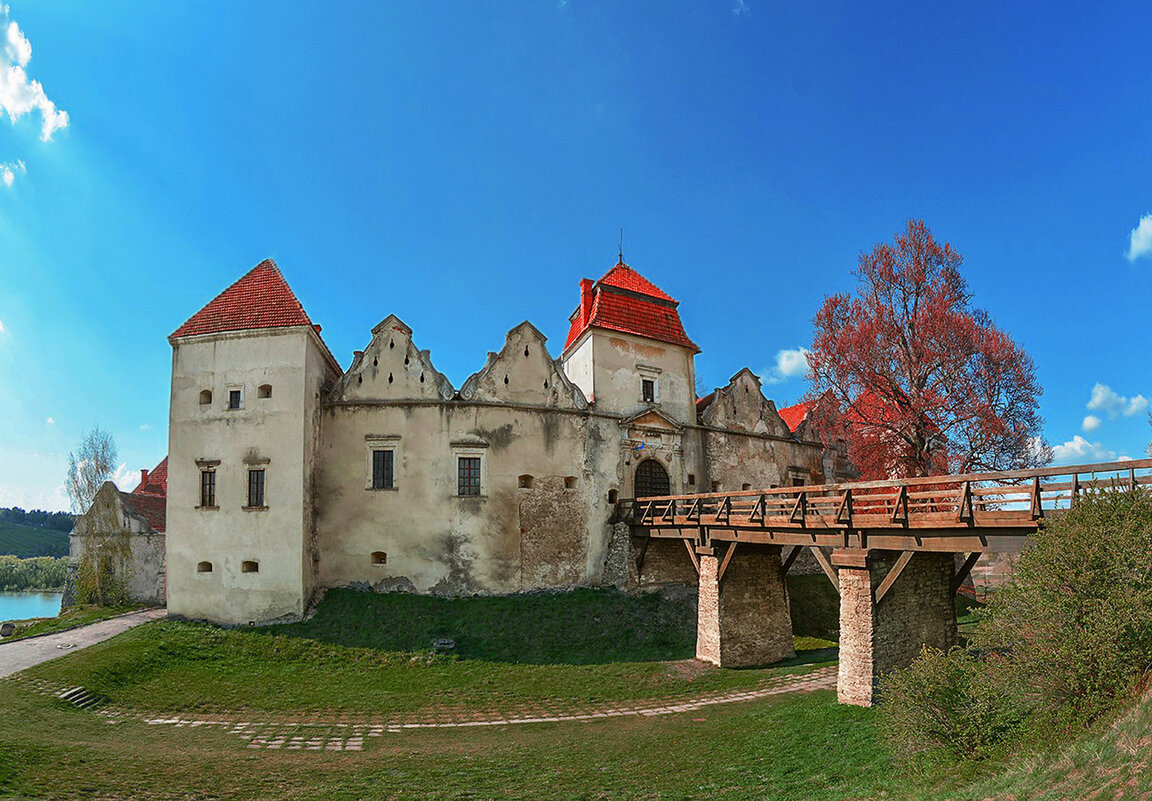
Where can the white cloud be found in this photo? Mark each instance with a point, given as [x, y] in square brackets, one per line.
[1140, 240]
[19, 94]
[1, 326]
[1091, 423]
[790, 363]
[126, 479]
[8, 170]
[54, 501]
[1105, 399]
[49, 422]
[740, 8]
[144, 426]
[1080, 450]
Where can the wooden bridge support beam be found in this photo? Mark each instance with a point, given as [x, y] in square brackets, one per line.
[743, 618]
[918, 608]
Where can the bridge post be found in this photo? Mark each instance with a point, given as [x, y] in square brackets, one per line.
[916, 608]
[743, 618]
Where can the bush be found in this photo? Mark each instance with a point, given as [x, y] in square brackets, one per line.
[949, 705]
[1062, 643]
[1077, 613]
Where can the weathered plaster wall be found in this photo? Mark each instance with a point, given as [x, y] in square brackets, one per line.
[439, 541]
[275, 432]
[137, 552]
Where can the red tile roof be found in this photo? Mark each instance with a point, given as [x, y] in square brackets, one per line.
[795, 415]
[624, 277]
[625, 301]
[152, 508]
[157, 481]
[261, 299]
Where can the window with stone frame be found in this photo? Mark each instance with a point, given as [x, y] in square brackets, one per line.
[208, 488]
[256, 499]
[468, 475]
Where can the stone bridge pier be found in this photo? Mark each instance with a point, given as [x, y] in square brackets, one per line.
[891, 605]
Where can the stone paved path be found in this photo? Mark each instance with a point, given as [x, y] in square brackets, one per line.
[320, 736]
[20, 654]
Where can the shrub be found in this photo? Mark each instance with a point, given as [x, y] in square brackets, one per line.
[949, 705]
[1077, 614]
[36, 573]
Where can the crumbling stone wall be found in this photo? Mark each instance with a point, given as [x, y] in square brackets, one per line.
[743, 619]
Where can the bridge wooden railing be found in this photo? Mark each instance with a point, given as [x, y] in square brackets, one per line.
[941, 513]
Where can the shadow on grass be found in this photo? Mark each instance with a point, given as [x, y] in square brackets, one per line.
[579, 627]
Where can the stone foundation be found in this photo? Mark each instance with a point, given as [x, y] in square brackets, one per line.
[743, 620]
[918, 610]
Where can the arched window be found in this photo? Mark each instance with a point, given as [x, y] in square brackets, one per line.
[205, 397]
[651, 479]
[264, 391]
[379, 558]
[249, 567]
[524, 482]
[204, 567]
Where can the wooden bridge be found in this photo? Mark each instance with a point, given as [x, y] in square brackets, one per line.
[864, 536]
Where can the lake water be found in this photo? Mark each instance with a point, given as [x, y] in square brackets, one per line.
[22, 605]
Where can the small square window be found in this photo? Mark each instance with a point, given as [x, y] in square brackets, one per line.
[648, 390]
[256, 488]
[235, 396]
[383, 469]
[797, 481]
[208, 488]
[468, 475]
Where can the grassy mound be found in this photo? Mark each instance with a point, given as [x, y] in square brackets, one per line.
[367, 655]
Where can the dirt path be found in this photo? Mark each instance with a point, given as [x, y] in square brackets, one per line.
[20, 654]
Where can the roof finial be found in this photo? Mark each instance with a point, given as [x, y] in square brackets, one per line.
[621, 257]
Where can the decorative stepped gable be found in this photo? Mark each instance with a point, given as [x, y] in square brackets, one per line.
[741, 406]
[523, 372]
[392, 368]
[625, 301]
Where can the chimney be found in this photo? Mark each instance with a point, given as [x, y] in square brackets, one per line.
[143, 480]
[585, 300]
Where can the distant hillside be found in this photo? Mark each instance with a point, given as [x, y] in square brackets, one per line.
[25, 541]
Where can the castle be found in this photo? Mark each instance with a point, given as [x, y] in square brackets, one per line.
[287, 474]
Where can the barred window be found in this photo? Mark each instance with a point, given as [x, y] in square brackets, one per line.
[468, 474]
[208, 488]
[383, 472]
[234, 398]
[256, 487]
[648, 390]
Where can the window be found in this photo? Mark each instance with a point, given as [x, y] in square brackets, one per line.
[468, 475]
[569, 482]
[204, 567]
[715, 486]
[524, 481]
[651, 479]
[205, 397]
[691, 479]
[265, 391]
[235, 397]
[256, 488]
[250, 566]
[613, 495]
[381, 462]
[797, 481]
[648, 390]
[379, 558]
[208, 489]
[383, 469]
[745, 487]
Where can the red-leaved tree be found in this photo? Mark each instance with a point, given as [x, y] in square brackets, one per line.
[913, 379]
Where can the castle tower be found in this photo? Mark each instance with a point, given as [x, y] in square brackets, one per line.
[248, 371]
[627, 349]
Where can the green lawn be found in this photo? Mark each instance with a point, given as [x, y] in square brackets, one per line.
[26, 541]
[350, 664]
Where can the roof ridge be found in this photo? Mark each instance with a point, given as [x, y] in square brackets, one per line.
[261, 298]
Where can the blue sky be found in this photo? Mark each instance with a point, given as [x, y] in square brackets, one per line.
[463, 165]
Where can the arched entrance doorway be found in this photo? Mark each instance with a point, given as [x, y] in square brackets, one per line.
[651, 479]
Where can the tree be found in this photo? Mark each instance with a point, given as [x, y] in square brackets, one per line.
[914, 380]
[89, 467]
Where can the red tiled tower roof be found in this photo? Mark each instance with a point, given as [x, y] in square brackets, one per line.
[625, 301]
[260, 299]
